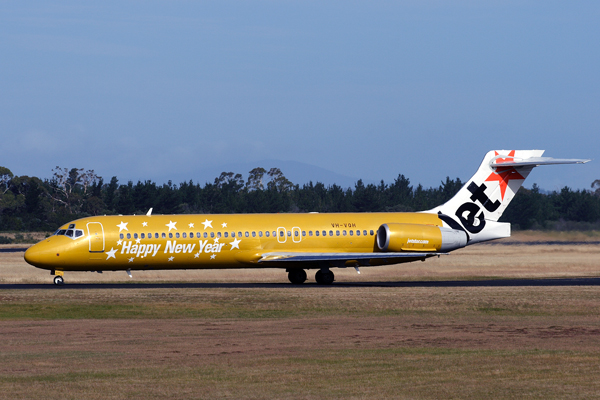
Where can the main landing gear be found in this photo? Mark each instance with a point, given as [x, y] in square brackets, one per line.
[298, 276]
[324, 277]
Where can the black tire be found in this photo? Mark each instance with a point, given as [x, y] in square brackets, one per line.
[59, 281]
[297, 276]
[324, 277]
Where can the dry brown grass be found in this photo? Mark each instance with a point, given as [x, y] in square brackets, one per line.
[306, 343]
[310, 342]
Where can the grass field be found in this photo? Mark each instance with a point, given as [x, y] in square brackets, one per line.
[310, 342]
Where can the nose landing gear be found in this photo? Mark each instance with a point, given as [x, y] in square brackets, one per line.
[58, 279]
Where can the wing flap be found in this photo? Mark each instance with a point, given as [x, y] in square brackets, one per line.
[315, 257]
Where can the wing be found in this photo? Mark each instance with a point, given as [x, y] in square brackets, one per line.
[361, 258]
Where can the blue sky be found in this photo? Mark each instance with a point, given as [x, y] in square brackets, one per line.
[170, 90]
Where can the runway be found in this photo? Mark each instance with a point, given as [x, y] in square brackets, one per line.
[581, 281]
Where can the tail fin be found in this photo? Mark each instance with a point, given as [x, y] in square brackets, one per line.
[479, 204]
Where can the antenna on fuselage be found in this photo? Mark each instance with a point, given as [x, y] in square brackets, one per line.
[149, 212]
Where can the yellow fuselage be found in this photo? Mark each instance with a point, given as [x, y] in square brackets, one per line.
[213, 241]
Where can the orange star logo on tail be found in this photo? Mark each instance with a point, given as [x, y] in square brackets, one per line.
[504, 174]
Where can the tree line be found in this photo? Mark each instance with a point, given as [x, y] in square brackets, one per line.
[32, 204]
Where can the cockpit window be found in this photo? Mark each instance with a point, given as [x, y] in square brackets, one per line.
[72, 233]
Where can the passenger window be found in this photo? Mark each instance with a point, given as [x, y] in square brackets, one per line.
[232, 234]
[357, 232]
[247, 234]
[143, 236]
[267, 233]
[259, 233]
[156, 235]
[184, 235]
[177, 235]
[296, 233]
[351, 233]
[226, 234]
[170, 235]
[344, 233]
[324, 233]
[309, 233]
[198, 235]
[274, 234]
[364, 233]
[121, 236]
[317, 233]
[371, 232]
[253, 234]
[135, 235]
[337, 233]
[303, 233]
[289, 233]
[239, 234]
[129, 236]
[331, 233]
[218, 234]
[281, 233]
[164, 236]
[212, 234]
[205, 235]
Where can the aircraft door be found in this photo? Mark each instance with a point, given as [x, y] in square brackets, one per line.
[96, 236]
[296, 234]
[281, 237]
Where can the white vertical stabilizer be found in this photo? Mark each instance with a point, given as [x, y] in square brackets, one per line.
[479, 204]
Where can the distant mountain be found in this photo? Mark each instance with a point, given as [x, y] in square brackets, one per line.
[297, 172]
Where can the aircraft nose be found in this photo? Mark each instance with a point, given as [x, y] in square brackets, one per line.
[39, 255]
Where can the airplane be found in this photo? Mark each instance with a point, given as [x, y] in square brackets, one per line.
[294, 242]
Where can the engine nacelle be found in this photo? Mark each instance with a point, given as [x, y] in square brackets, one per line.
[416, 237]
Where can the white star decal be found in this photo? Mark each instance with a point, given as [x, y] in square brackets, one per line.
[171, 258]
[207, 224]
[213, 256]
[137, 241]
[131, 259]
[171, 225]
[235, 244]
[111, 253]
[224, 224]
[196, 255]
[216, 240]
[123, 226]
[191, 225]
[144, 224]
[119, 242]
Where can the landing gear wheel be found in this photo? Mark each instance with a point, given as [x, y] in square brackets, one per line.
[324, 277]
[58, 280]
[297, 276]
